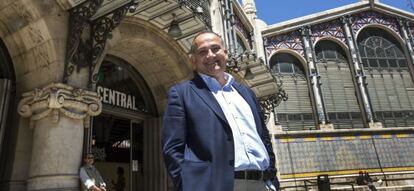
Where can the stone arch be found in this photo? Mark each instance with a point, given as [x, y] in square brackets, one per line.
[33, 32]
[243, 38]
[155, 55]
[385, 28]
[291, 52]
[138, 80]
[341, 44]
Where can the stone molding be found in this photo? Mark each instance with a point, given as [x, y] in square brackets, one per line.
[57, 98]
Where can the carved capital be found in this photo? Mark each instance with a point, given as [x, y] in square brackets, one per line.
[56, 99]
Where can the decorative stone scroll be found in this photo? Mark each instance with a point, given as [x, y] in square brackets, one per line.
[57, 98]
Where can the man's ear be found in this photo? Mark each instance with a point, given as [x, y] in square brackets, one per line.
[193, 61]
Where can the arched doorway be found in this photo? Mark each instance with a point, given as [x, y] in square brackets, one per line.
[7, 92]
[117, 136]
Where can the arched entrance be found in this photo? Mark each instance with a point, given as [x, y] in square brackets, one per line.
[7, 91]
[155, 61]
[117, 135]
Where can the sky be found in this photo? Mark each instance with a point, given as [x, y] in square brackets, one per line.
[274, 11]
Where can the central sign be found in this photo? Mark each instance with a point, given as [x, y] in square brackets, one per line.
[116, 98]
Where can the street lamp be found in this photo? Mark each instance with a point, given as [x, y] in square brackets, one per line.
[174, 30]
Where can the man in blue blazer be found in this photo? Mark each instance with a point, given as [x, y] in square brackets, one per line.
[213, 129]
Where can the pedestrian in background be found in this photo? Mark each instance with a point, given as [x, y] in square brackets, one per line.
[90, 176]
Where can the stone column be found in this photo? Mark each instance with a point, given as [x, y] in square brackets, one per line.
[58, 115]
[359, 76]
[314, 80]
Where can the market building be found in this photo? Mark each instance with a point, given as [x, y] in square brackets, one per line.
[81, 76]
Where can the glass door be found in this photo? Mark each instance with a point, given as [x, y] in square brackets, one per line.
[5, 86]
[137, 156]
[117, 144]
[111, 145]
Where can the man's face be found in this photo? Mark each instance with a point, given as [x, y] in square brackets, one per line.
[89, 159]
[210, 56]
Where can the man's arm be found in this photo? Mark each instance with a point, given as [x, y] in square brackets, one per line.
[87, 181]
[173, 138]
[271, 170]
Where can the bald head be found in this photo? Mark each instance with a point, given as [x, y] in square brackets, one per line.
[194, 45]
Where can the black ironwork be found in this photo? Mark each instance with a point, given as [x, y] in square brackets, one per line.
[201, 9]
[87, 38]
[380, 51]
[291, 40]
[77, 49]
[270, 102]
[101, 29]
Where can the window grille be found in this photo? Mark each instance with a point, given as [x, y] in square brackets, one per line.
[286, 64]
[329, 51]
[379, 50]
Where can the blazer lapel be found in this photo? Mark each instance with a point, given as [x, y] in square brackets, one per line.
[245, 94]
[201, 89]
[247, 97]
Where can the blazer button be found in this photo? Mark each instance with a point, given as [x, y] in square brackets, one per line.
[231, 162]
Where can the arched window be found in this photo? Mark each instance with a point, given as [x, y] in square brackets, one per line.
[337, 87]
[296, 112]
[240, 48]
[284, 63]
[329, 51]
[119, 87]
[379, 50]
[388, 79]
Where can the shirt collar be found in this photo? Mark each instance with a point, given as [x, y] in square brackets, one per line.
[215, 86]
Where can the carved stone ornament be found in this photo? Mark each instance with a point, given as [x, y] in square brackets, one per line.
[56, 99]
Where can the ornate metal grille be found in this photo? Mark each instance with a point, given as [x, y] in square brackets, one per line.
[328, 29]
[290, 40]
[379, 51]
[204, 4]
[371, 17]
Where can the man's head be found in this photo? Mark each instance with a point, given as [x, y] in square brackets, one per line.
[208, 54]
[88, 159]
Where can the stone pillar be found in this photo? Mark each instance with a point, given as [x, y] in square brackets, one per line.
[58, 115]
[314, 80]
[359, 76]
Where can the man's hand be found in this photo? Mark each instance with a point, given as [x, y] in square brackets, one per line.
[272, 185]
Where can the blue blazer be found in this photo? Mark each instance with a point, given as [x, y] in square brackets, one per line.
[194, 120]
